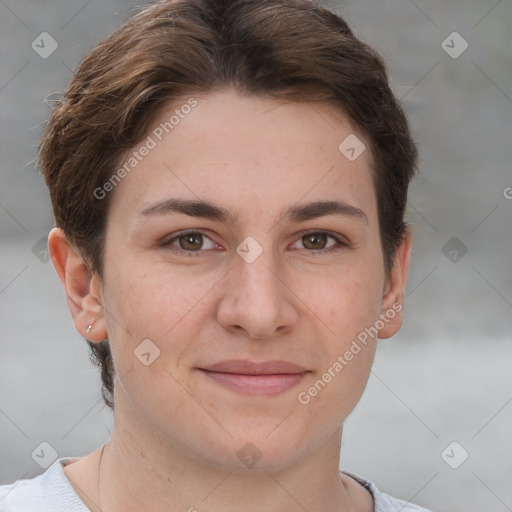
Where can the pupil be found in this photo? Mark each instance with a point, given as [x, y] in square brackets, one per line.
[315, 238]
[190, 242]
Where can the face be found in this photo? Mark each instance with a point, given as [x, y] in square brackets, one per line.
[245, 234]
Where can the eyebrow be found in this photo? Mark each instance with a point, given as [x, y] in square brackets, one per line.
[207, 210]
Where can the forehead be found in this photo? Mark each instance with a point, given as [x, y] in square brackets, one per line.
[248, 152]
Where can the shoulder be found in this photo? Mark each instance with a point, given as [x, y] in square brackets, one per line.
[383, 502]
[48, 492]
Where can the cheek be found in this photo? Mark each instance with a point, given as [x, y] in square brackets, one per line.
[150, 300]
[349, 308]
[346, 300]
[152, 322]
[147, 302]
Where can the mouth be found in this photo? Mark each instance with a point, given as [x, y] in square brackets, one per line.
[264, 378]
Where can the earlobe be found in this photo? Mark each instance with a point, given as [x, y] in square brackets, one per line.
[80, 285]
[393, 299]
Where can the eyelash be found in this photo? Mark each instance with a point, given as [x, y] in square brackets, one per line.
[340, 244]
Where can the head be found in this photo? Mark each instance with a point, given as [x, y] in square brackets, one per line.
[229, 181]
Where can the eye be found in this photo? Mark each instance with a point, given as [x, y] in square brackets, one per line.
[193, 243]
[318, 241]
[189, 242]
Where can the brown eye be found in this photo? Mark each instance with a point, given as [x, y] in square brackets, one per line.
[315, 241]
[191, 241]
[321, 242]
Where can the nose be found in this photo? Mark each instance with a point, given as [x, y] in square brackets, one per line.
[257, 299]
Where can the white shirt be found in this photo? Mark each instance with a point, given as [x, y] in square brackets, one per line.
[52, 492]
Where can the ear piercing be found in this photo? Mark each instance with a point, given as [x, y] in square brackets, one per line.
[88, 328]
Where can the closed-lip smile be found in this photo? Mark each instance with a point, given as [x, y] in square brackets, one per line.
[253, 377]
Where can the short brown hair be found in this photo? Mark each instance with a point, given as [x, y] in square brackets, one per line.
[284, 49]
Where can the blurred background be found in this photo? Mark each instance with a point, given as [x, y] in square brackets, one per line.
[434, 424]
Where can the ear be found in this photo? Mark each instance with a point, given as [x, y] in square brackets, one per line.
[393, 299]
[83, 288]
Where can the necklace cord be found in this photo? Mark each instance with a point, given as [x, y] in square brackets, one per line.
[99, 475]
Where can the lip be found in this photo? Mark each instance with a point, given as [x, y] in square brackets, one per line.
[267, 378]
[243, 366]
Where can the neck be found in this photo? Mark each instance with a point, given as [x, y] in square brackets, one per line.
[136, 475]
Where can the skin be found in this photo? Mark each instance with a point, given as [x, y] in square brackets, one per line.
[176, 432]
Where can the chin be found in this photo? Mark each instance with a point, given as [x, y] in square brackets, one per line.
[255, 451]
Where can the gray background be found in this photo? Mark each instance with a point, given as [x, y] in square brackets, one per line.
[445, 377]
